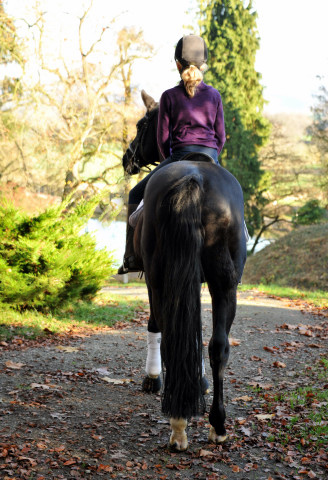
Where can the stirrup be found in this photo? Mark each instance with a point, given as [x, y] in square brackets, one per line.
[122, 270]
[129, 265]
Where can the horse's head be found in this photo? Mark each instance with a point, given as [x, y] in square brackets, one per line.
[143, 149]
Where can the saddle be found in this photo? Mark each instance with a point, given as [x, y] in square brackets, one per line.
[198, 157]
[192, 156]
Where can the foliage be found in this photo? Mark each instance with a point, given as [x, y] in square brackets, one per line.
[310, 213]
[46, 260]
[294, 172]
[10, 88]
[9, 45]
[80, 90]
[319, 131]
[299, 260]
[103, 311]
[229, 29]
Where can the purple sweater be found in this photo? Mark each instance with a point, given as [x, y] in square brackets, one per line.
[190, 121]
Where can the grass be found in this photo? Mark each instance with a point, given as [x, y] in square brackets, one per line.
[298, 260]
[104, 311]
[107, 309]
[309, 407]
[318, 298]
[305, 423]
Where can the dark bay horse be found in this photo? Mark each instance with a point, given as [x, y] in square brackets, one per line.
[191, 229]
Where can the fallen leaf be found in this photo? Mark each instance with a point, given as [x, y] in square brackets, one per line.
[104, 468]
[102, 371]
[246, 431]
[285, 326]
[263, 386]
[67, 349]
[234, 342]
[278, 364]
[267, 416]
[61, 448]
[307, 333]
[14, 366]
[235, 468]
[41, 446]
[244, 398]
[39, 385]
[256, 359]
[28, 459]
[205, 453]
[271, 349]
[116, 381]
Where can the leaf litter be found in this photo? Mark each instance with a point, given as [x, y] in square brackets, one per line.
[84, 416]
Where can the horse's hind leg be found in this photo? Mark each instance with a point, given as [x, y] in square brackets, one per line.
[178, 438]
[152, 382]
[224, 309]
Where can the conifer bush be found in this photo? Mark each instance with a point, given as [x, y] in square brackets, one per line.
[46, 260]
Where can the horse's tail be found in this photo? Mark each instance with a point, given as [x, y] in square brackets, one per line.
[181, 241]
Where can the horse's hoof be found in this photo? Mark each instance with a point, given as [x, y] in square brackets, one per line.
[177, 447]
[205, 386]
[151, 385]
[215, 438]
[178, 439]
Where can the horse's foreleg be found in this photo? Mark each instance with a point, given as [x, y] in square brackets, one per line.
[153, 362]
[152, 382]
[178, 438]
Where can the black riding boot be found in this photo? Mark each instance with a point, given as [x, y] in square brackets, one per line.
[130, 263]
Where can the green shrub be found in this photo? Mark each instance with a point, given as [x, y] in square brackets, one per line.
[309, 213]
[45, 260]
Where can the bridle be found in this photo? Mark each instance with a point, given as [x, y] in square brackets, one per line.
[136, 150]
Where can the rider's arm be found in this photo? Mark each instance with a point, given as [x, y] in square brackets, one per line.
[219, 128]
[163, 127]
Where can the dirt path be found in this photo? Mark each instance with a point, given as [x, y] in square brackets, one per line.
[76, 410]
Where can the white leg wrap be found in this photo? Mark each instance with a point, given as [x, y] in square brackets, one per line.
[203, 367]
[153, 363]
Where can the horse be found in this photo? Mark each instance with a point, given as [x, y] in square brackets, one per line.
[191, 230]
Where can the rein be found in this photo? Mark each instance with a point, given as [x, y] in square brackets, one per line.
[134, 161]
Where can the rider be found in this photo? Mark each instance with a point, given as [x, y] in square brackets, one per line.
[190, 119]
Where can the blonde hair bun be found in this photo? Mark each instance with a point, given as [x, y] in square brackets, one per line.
[192, 76]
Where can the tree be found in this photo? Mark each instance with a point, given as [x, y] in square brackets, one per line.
[292, 170]
[229, 28]
[10, 50]
[319, 132]
[132, 47]
[88, 108]
[81, 94]
[45, 260]
[10, 89]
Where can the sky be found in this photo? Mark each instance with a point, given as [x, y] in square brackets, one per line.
[293, 42]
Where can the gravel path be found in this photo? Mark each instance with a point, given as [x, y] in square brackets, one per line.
[77, 411]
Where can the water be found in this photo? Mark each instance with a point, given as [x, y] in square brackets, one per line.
[262, 243]
[112, 236]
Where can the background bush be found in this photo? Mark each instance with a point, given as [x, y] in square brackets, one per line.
[310, 213]
[46, 260]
